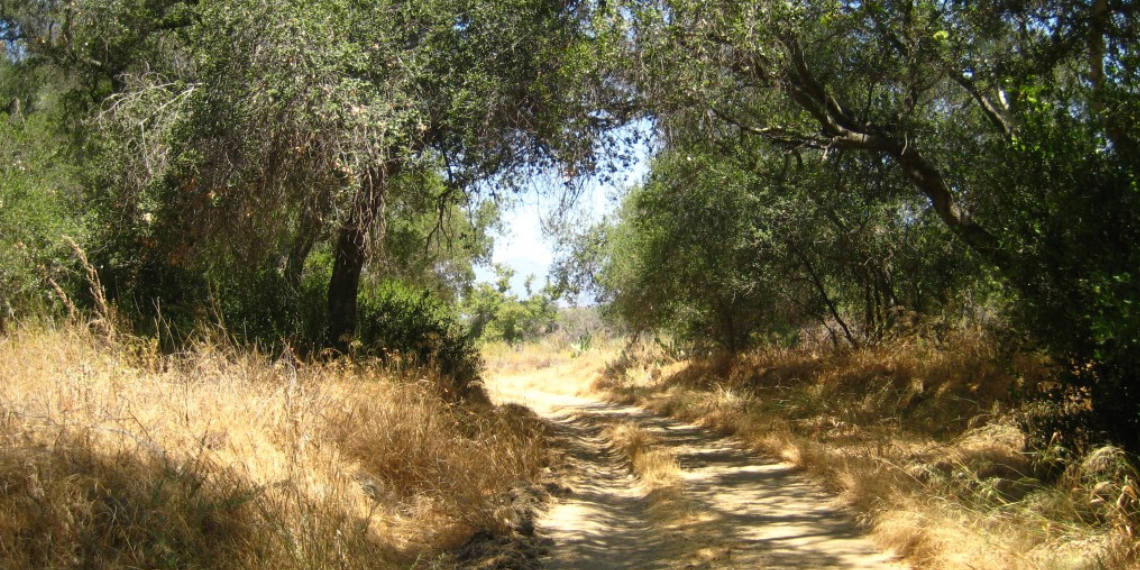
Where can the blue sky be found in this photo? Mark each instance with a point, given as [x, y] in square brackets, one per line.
[522, 244]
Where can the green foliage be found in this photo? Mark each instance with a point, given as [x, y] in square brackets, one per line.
[37, 194]
[728, 245]
[1077, 227]
[408, 326]
[34, 214]
[494, 313]
[434, 236]
[1013, 125]
[279, 119]
[229, 139]
[259, 309]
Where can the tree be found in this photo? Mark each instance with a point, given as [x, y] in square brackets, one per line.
[729, 243]
[434, 236]
[238, 133]
[881, 77]
[958, 98]
[494, 313]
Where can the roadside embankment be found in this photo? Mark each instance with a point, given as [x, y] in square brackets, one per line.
[923, 441]
[114, 456]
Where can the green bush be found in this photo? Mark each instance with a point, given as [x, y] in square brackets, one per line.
[36, 211]
[1076, 227]
[261, 309]
[406, 326]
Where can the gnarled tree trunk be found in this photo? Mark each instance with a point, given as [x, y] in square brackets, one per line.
[351, 251]
[309, 230]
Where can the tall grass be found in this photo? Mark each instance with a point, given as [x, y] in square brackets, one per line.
[922, 439]
[112, 456]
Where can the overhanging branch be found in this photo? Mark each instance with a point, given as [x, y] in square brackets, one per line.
[843, 132]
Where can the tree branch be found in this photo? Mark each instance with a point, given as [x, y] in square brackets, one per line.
[836, 122]
[779, 135]
[822, 290]
[997, 115]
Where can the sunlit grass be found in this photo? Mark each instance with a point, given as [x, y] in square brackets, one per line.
[654, 466]
[922, 440]
[114, 456]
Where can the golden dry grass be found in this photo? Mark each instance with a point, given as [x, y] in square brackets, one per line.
[654, 466]
[502, 358]
[919, 439]
[551, 367]
[112, 456]
[505, 358]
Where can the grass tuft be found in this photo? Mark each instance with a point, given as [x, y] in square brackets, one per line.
[654, 466]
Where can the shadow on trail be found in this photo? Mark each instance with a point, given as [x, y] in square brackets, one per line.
[603, 524]
[755, 512]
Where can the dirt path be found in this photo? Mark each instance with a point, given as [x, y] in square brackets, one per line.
[730, 509]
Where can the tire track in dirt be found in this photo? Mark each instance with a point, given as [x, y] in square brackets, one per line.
[604, 519]
[735, 510]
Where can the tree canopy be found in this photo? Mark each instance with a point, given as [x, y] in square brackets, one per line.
[856, 168]
[233, 135]
[1012, 124]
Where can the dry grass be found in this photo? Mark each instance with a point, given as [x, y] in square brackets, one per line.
[920, 439]
[556, 368]
[655, 467]
[112, 456]
[504, 359]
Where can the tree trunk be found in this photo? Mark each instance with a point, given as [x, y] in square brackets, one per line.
[728, 326]
[822, 290]
[844, 132]
[926, 177]
[351, 251]
[5, 314]
[310, 226]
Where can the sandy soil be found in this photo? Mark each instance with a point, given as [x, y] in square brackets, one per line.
[729, 509]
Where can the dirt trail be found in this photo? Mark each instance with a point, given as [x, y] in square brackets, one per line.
[731, 509]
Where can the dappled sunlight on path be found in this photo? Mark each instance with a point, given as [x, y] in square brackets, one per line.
[603, 522]
[731, 509]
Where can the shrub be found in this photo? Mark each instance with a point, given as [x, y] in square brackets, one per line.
[406, 326]
[35, 211]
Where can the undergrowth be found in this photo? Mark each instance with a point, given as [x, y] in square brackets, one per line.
[115, 456]
[924, 440]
